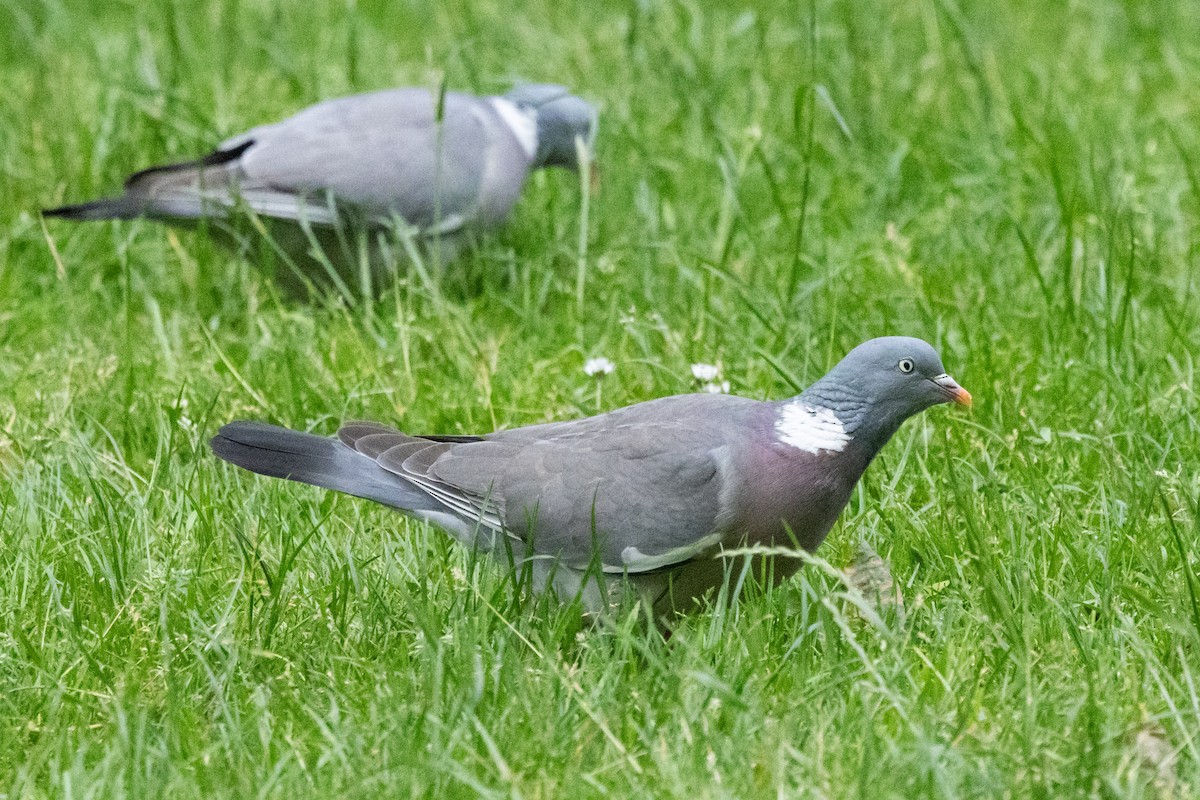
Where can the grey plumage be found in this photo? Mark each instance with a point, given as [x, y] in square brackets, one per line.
[651, 492]
[372, 160]
[282, 453]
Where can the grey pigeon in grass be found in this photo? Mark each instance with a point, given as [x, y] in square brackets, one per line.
[652, 493]
[444, 166]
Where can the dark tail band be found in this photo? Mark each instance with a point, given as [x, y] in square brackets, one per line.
[105, 208]
[318, 461]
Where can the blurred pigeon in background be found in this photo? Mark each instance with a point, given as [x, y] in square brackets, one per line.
[653, 492]
[439, 166]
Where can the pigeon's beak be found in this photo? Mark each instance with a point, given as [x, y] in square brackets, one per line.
[954, 392]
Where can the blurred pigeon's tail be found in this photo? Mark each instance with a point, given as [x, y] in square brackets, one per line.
[174, 192]
[105, 208]
[213, 187]
[318, 461]
[187, 190]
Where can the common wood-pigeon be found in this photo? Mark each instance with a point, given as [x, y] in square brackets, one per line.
[365, 162]
[651, 493]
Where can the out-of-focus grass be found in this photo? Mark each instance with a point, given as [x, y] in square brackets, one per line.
[1017, 183]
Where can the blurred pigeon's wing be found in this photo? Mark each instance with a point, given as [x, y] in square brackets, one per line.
[386, 153]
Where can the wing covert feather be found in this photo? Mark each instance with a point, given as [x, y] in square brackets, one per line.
[383, 152]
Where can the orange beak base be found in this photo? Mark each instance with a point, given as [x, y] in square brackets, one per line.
[955, 392]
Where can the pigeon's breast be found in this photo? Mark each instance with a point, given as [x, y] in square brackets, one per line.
[788, 493]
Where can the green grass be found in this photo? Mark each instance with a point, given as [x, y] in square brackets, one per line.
[1018, 183]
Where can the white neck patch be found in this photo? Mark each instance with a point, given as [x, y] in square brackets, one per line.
[523, 124]
[811, 428]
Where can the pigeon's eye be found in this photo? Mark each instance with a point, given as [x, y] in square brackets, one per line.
[905, 365]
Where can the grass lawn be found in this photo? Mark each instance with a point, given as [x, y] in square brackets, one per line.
[1017, 182]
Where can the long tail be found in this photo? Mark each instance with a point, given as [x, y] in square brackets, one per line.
[105, 208]
[187, 190]
[318, 461]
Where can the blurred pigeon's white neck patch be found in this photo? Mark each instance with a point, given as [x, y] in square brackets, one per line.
[523, 124]
[811, 428]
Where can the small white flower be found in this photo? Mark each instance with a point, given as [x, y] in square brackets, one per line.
[704, 372]
[598, 366]
[717, 388]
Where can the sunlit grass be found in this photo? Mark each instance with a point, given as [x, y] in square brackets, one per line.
[1016, 183]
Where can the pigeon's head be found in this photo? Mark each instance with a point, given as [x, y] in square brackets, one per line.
[561, 119]
[883, 382]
